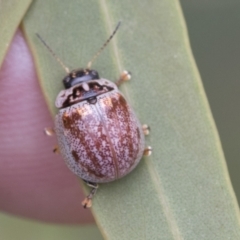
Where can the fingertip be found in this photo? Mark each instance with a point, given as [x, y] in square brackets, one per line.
[34, 182]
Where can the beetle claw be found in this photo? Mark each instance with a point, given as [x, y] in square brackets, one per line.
[125, 76]
[87, 202]
[49, 131]
[146, 129]
[147, 151]
[56, 149]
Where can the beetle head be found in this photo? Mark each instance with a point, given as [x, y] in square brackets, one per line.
[79, 76]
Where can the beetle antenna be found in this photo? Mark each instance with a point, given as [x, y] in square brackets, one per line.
[103, 46]
[53, 54]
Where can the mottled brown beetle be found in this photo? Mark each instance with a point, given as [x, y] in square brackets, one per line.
[99, 135]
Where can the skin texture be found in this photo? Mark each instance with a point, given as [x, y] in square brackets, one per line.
[34, 182]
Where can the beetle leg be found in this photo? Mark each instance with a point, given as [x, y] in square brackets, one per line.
[146, 129]
[125, 76]
[87, 202]
[147, 151]
[56, 149]
[49, 131]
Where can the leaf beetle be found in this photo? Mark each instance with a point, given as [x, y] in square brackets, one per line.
[98, 133]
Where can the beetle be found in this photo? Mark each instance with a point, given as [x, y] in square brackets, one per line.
[98, 133]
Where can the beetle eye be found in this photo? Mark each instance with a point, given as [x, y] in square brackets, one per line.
[67, 82]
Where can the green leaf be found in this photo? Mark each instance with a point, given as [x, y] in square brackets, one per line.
[12, 228]
[11, 14]
[183, 190]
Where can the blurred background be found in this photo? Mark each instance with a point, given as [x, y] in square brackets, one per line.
[214, 32]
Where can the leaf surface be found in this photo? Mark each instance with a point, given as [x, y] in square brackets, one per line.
[13, 228]
[182, 191]
[11, 14]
